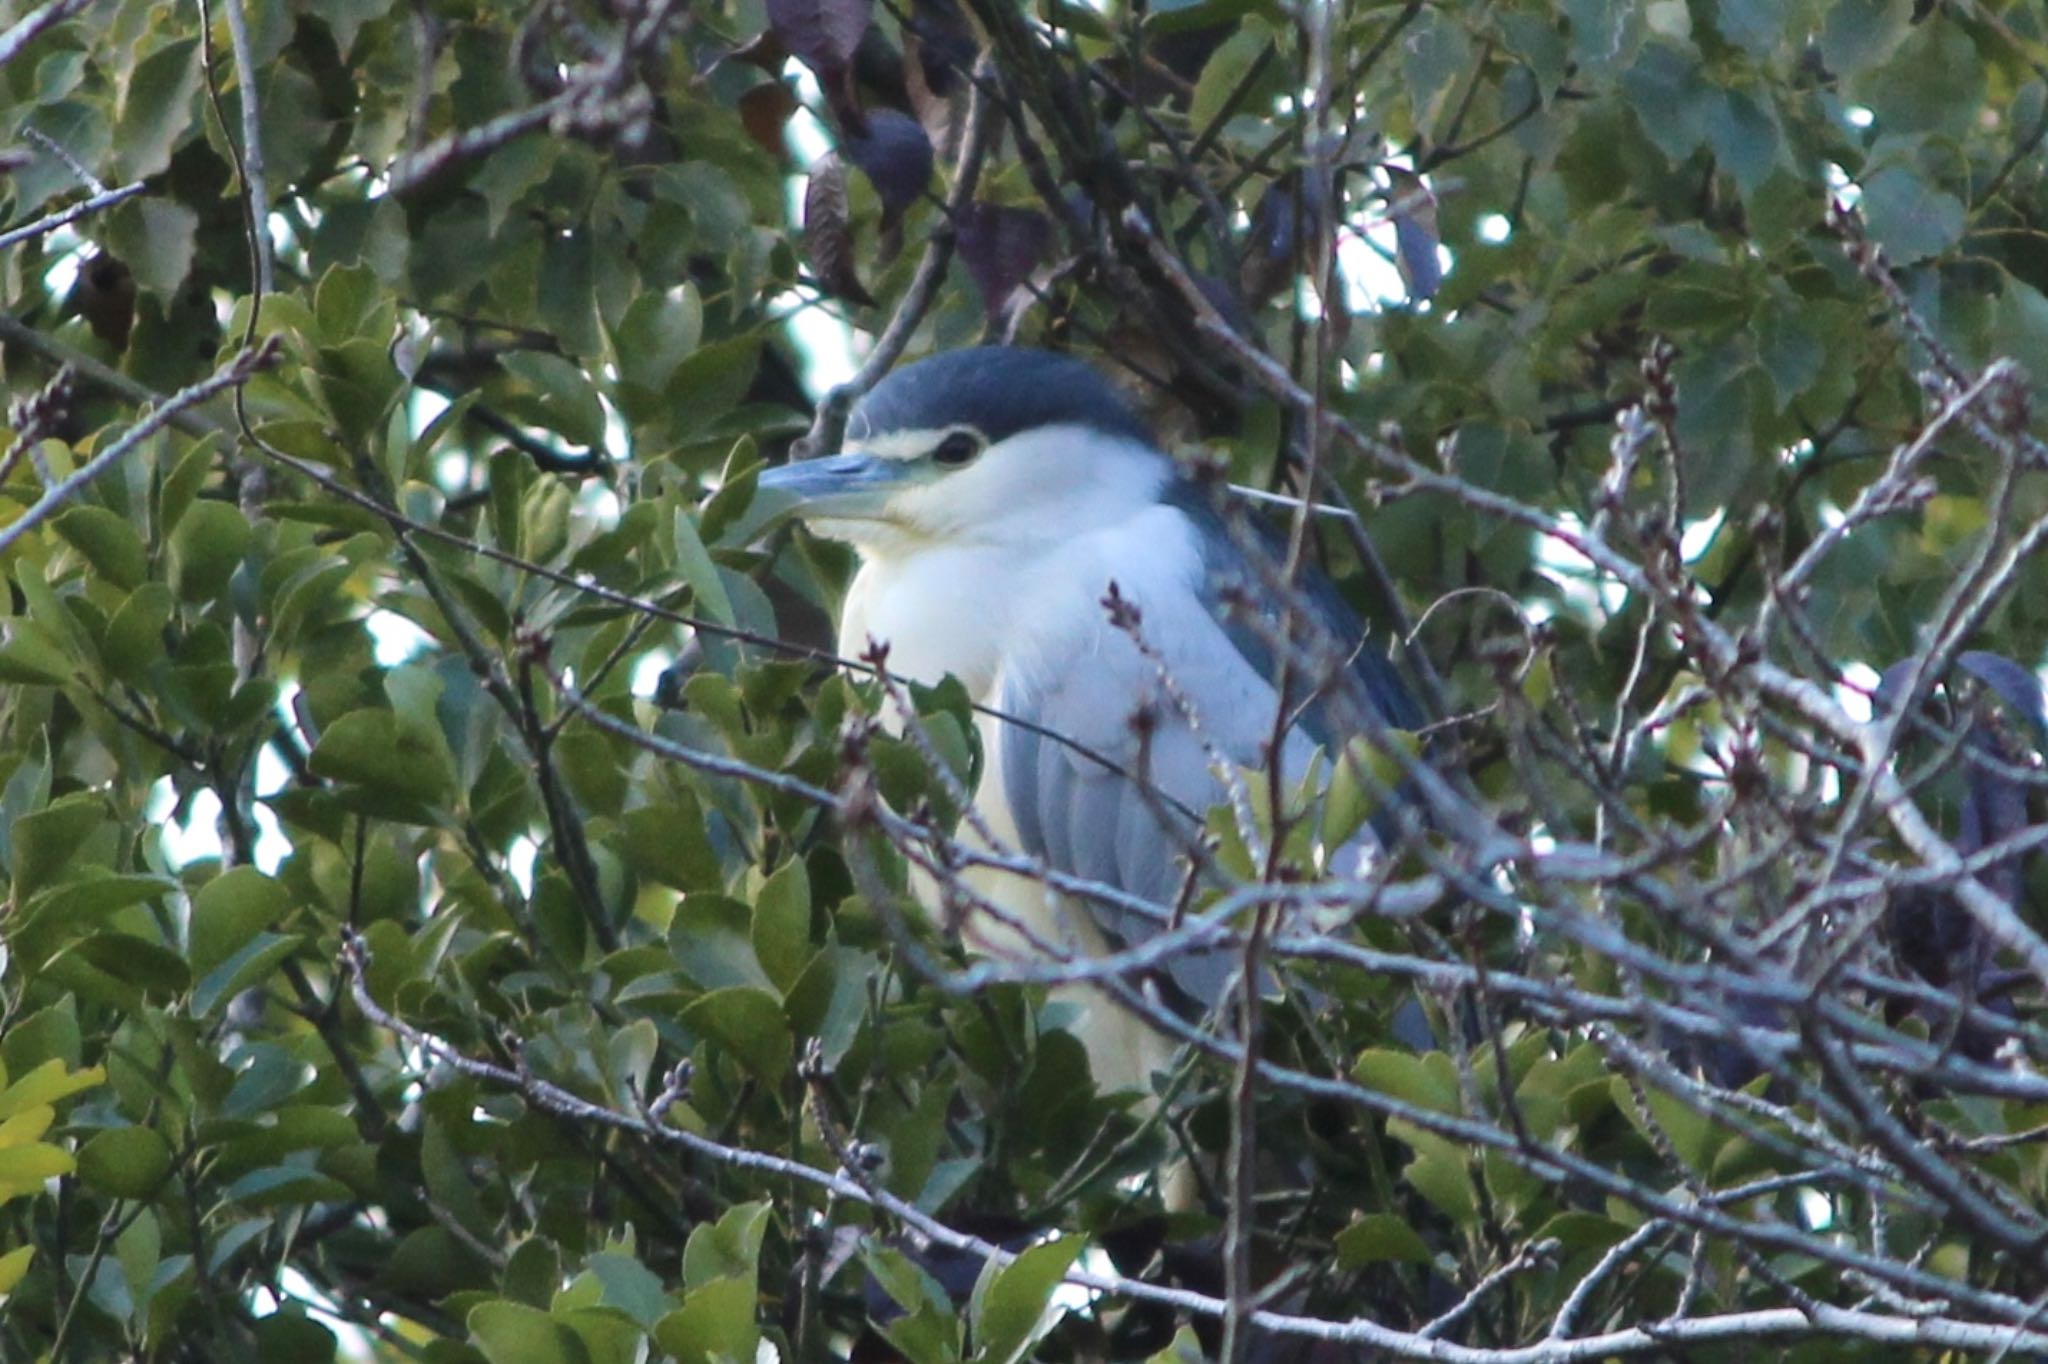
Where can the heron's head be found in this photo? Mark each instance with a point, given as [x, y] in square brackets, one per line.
[987, 445]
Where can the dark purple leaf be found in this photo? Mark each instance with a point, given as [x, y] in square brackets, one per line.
[1001, 246]
[822, 34]
[1277, 236]
[1270, 237]
[1929, 932]
[1412, 209]
[828, 232]
[1994, 810]
[2010, 683]
[1730, 1062]
[1415, 250]
[1890, 684]
[945, 43]
[1224, 300]
[895, 155]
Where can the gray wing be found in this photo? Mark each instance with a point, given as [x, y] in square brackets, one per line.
[1095, 821]
[1378, 680]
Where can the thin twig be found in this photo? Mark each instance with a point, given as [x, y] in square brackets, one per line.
[237, 371]
[34, 24]
[84, 208]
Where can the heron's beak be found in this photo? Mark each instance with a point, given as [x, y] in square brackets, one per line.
[837, 488]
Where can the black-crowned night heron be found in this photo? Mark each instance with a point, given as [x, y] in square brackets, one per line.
[994, 495]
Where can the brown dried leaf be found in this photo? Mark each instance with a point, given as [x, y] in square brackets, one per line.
[828, 231]
[765, 111]
[822, 34]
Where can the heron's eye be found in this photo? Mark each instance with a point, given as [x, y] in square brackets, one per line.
[956, 449]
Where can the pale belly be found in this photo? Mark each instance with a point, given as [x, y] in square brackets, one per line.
[934, 628]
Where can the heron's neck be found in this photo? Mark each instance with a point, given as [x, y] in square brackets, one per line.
[940, 608]
[978, 608]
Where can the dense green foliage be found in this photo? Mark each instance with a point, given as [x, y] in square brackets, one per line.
[499, 370]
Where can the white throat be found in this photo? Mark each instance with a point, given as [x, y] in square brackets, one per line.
[953, 578]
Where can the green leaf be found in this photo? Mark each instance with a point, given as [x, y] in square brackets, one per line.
[693, 560]
[561, 399]
[13, 1267]
[209, 542]
[1379, 1238]
[1862, 33]
[135, 634]
[372, 749]
[729, 1248]
[108, 542]
[747, 1023]
[46, 841]
[288, 1335]
[1693, 1136]
[1671, 97]
[668, 842]
[632, 1288]
[250, 964]
[733, 515]
[1911, 218]
[1226, 69]
[231, 909]
[156, 239]
[154, 108]
[50, 1033]
[1358, 783]
[350, 303]
[358, 384]
[533, 1273]
[631, 1053]
[1605, 36]
[657, 333]
[782, 924]
[27, 1125]
[1440, 1171]
[1744, 136]
[711, 937]
[267, 1080]
[1011, 1310]
[31, 654]
[1436, 51]
[712, 381]
[151, 968]
[46, 1084]
[1428, 1082]
[23, 1168]
[187, 475]
[282, 1186]
[126, 1162]
[607, 1336]
[513, 1333]
[829, 1000]
[714, 1324]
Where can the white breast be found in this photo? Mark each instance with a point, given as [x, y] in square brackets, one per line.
[987, 613]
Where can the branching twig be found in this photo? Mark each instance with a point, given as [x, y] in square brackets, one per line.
[828, 424]
[237, 371]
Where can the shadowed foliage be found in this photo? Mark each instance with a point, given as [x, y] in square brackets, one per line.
[458, 909]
